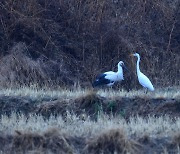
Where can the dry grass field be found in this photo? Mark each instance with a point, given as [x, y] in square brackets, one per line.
[50, 53]
[84, 121]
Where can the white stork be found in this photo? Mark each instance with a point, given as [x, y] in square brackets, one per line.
[110, 77]
[143, 79]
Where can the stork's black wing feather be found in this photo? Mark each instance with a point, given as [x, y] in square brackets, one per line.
[101, 80]
[101, 76]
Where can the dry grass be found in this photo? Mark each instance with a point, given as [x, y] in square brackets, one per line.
[76, 40]
[111, 134]
[51, 141]
[75, 126]
[35, 133]
[111, 141]
[19, 69]
[34, 92]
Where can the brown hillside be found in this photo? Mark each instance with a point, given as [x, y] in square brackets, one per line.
[67, 42]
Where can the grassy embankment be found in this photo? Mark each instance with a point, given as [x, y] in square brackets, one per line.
[79, 133]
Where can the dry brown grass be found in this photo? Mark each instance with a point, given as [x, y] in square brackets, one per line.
[75, 126]
[112, 141]
[36, 92]
[53, 108]
[18, 69]
[76, 40]
[88, 103]
[73, 135]
[51, 141]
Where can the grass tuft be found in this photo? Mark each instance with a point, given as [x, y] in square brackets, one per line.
[27, 141]
[90, 103]
[112, 141]
[51, 140]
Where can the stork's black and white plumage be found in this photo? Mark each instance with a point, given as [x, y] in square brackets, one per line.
[109, 78]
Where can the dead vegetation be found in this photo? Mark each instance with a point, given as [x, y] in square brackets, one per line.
[88, 122]
[51, 141]
[107, 134]
[112, 141]
[53, 108]
[88, 104]
[67, 42]
[18, 69]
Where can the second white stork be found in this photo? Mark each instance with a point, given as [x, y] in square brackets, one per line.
[143, 79]
[110, 77]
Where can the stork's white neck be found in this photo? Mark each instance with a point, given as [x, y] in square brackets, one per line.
[119, 69]
[138, 60]
[120, 72]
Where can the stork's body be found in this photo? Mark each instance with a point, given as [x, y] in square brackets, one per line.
[110, 77]
[143, 79]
